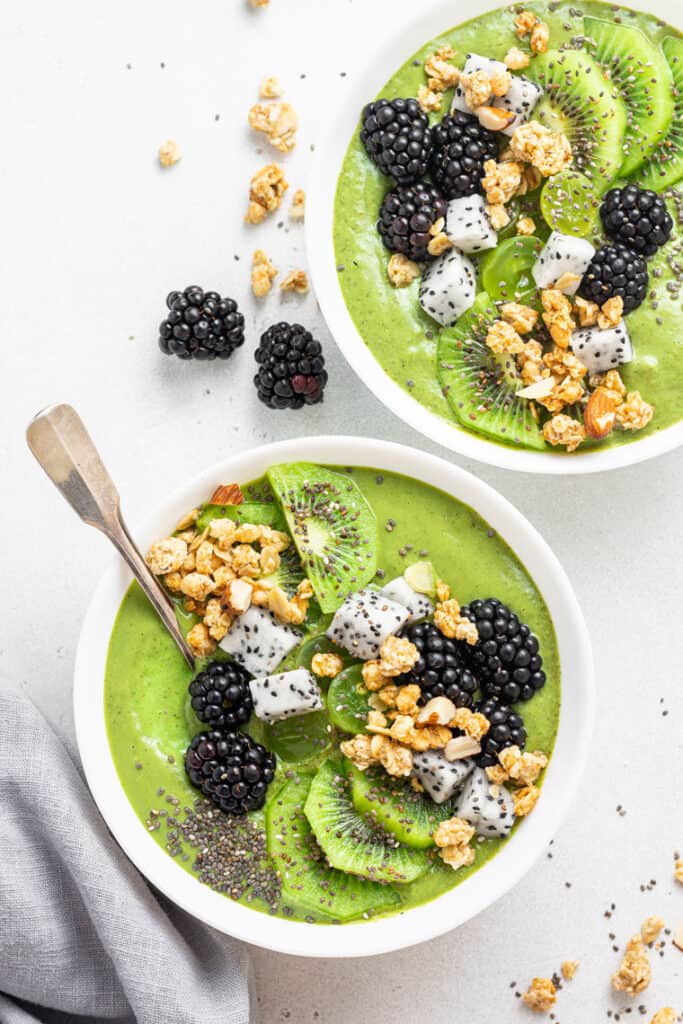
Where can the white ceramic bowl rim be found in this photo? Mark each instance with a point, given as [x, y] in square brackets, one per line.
[321, 258]
[474, 894]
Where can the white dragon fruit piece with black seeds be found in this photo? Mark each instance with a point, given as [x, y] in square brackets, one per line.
[475, 62]
[258, 641]
[364, 622]
[419, 605]
[488, 808]
[448, 287]
[468, 226]
[285, 695]
[520, 99]
[440, 778]
[562, 254]
[602, 350]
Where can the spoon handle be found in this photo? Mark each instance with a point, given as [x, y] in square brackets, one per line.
[63, 447]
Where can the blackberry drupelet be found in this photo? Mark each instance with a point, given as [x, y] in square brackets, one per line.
[615, 270]
[506, 730]
[461, 147]
[397, 137]
[440, 671]
[505, 659]
[231, 769]
[221, 696]
[200, 325]
[636, 217]
[406, 215]
[292, 367]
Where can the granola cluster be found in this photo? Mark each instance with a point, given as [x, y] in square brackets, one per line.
[262, 274]
[278, 122]
[453, 838]
[441, 75]
[449, 621]
[634, 974]
[169, 153]
[520, 770]
[266, 190]
[401, 271]
[541, 995]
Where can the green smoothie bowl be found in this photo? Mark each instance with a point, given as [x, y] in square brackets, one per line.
[389, 711]
[495, 231]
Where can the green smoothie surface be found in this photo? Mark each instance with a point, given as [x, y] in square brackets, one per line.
[150, 722]
[390, 320]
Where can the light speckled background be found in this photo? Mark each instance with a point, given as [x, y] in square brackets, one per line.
[93, 236]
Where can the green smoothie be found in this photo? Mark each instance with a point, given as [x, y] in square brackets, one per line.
[390, 320]
[150, 721]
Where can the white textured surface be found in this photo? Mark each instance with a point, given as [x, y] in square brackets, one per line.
[93, 236]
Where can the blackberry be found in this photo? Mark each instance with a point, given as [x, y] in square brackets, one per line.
[231, 769]
[221, 696]
[405, 217]
[397, 137]
[200, 325]
[461, 147]
[505, 658]
[507, 730]
[292, 367]
[440, 670]
[636, 217]
[615, 270]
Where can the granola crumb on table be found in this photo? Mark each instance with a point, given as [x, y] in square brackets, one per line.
[297, 210]
[295, 281]
[569, 969]
[650, 929]
[541, 995]
[678, 871]
[278, 122]
[634, 973]
[266, 190]
[270, 88]
[262, 273]
[169, 153]
[665, 1016]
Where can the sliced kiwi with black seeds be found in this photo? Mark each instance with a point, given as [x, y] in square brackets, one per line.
[333, 527]
[480, 386]
[351, 842]
[308, 883]
[347, 701]
[665, 165]
[260, 513]
[396, 807]
[289, 572]
[583, 104]
[640, 71]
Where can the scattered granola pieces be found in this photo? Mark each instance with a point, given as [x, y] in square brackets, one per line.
[563, 363]
[262, 274]
[441, 75]
[530, 362]
[429, 100]
[377, 723]
[587, 312]
[665, 1016]
[563, 430]
[650, 929]
[567, 281]
[522, 318]
[540, 995]
[472, 723]
[169, 153]
[524, 23]
[634, 413]
[359, 751]
[634, 974]
[396, 759]
[501, 181]
[278, 121]
[540, 37]
[453, 832]
[266, 190]
[567, 391]
[259, 3]
[295, 281]
[522, 768]
[526, 226]
[200, 641]
[549, 152]
[611, 312]
[516, 59]
[297, 210]
[452, 624]
[397, 655]
[406, 699]
[373, 677]
[611, 382]
[270, 88]
[557, 316]
[525, 799]
[678, 871]
[502, 337]
[326, 665]
[439, 244]
[498, 216]
[457, 856]
[165, 556]
[476, 87]
[401, 271]
[443, 591]
[569, 969]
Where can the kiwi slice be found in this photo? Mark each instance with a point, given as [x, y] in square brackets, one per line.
[579, 101]
[506, 270]
[299, 739]
[289, 572]
[334, 528]
[395, 806]
[260, 513]
[351, 842]
[347, 701]
[308, 883]
[479, 385]
[642, 76]
[569, 204]
[665, 166]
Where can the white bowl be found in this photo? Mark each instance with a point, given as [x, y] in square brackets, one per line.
[475, 893]
[343, 123]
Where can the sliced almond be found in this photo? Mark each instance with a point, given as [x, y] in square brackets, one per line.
[599, 415]
[539, 389]
[460, 747]
[227, 494]
[236, 597]
[495, 118]
[437, 711]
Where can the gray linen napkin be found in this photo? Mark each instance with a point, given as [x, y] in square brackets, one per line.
[82, 937]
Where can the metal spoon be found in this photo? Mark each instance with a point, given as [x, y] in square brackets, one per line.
[63, 447]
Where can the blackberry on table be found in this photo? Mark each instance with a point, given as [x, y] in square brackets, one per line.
[200, 325]
[461, 148]
[506, 730]
[506, 656]
[440, 670]
[397, 138]
[615, 270]
[291, 367]
[231, 769]
[636, 217]
[221, 696]
[406, 215]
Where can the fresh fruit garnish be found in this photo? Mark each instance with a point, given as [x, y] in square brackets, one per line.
[578, 102]
[562, 262]
[406, 216]
[506, 270]
[220, 696]
[615, 270]
[333, 527]
[480, 387]
[258, 513]
[440, 777]
[396, 807]
[364, 621]
[441, 670]
[643, 78]
[291, 370]
[468, 225]
[602, 350]
[347, 701]
[506, 730]
[569, 203]
[461, 148]
[258, 641]
[348, 840]
[200, 325]
[636, 217]
[448, 287]
[285, 695]
[665, 164]
[490, 811]
[296, 740]
[506, 657]
[397, 137]
[231, 769]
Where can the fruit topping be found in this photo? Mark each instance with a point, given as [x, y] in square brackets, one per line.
[402, 592]
[441, 670]
[479, 77]
[520, 100]
[397, 137]
[506, 270]
[569, 203]
[461, 148]
[448, 287]
[285, 695]
[364, 621]
[440, 778]
[220, 696]
[407, 217]
[291, 370]
[506, 657]
[258, 641]
[664, 166]
[347, 701]
[200, 325]
[615, 270]
[562, 263]
[636, 217]
[468, 225]
[489, 808]
[601, 350]
[506, 729]
[231, 769]
[396, 807]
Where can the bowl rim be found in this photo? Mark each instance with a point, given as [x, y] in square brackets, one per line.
[457, 905]
[327, 162]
